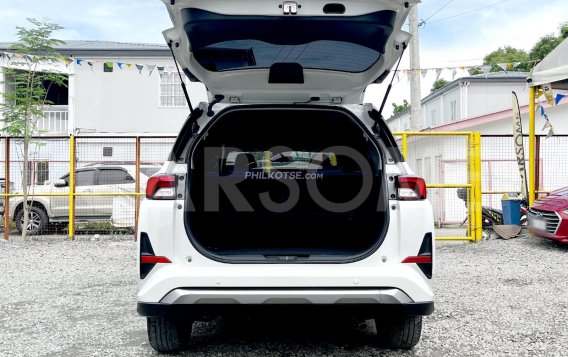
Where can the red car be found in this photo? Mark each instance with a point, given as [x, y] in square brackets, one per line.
[548, 217]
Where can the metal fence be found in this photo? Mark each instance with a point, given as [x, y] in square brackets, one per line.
[448, 162]
[111, 175]
[500, 170]
[103, 194]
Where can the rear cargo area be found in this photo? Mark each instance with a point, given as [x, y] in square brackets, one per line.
[286, 184]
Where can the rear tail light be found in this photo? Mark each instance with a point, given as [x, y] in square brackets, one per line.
[411, 188]
[162, 187]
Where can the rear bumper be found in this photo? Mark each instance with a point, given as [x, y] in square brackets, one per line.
[193, 303]
[198, 312]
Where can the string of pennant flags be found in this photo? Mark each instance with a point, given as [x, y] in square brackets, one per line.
[484, 69]
[92, 63]
[553, 100]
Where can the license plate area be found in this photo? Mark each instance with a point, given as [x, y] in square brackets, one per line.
[538, 224]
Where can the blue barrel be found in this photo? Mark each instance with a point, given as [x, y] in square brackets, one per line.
[511, 204]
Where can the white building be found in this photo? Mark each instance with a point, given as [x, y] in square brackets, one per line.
[482, 103]
[104, 100]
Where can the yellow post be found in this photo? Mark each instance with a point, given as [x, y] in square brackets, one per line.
[532, 144]
[404, 145]
[478, 187]
[71, 230]
[471, 182]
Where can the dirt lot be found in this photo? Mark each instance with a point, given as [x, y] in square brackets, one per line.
[62, 298]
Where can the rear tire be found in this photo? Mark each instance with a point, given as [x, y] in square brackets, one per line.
[402, 332]
[167, 335]
[38, 220]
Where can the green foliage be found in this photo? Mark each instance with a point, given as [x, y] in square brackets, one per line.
[400, 108]
[439, 84]
[27, 83]
[544, 46]
[507, 54]
[564, 31]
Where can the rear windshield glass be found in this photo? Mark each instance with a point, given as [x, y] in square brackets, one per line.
[326, 55]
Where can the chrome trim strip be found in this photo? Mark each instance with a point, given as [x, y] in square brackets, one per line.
[224, 296]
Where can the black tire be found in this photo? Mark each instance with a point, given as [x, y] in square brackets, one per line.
[168, 336]
[399, 332]
[38, 220]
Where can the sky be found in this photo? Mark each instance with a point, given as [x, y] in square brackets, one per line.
[446, 39]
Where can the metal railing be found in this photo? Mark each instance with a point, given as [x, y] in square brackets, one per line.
[55, 120]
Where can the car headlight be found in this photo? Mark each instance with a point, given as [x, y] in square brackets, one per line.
[565, 212]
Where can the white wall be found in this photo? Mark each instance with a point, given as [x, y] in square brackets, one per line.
[493, 97]
[124, 100]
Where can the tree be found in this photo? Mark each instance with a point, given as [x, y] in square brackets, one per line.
[28, 84]
[544, 46]
[439, 84]
[400, 108]
[564, 31]
[507, 54]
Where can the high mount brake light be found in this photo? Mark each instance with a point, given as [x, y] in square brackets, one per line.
[411, 188]
[161, 187]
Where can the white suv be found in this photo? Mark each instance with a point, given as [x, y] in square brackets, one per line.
[285, 192]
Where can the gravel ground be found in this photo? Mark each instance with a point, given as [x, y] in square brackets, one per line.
[62, 298]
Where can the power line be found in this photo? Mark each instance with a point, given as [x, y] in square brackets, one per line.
[469, 11]
[423, 22]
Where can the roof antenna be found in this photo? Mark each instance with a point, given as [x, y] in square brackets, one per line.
[390, 84]
[170, 44]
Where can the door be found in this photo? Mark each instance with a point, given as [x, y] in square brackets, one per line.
[84, 183]
[258, 50]
[112, 180]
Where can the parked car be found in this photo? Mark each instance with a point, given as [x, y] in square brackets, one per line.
[99, 178]
[349, 233]
[548, 217]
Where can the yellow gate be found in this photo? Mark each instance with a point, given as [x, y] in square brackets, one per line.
[438, 157]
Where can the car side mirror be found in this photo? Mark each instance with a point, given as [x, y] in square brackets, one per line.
[60, 183]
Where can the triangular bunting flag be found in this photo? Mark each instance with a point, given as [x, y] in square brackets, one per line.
[151, 68]
[128, 65]
[109, 64]
[503, 66]
[79, 62]
[559, 98]
[161, 70]
[91, 63]
[120, 64]
[397, 76]
[424, 72]
[462, 68]
[438, 73]
[547, 88]
[140, 68]
[516, 64]
[454, 72]
[8, 56]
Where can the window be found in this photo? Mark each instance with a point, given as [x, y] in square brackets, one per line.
[453, 110]
[114, 177]
[83, 178]
[38, 172]
[433, 118]
[107, 151]
[171, 93]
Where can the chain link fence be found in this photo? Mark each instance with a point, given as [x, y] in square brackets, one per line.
[109, 182]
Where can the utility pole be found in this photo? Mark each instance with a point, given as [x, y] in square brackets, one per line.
[415, 92]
